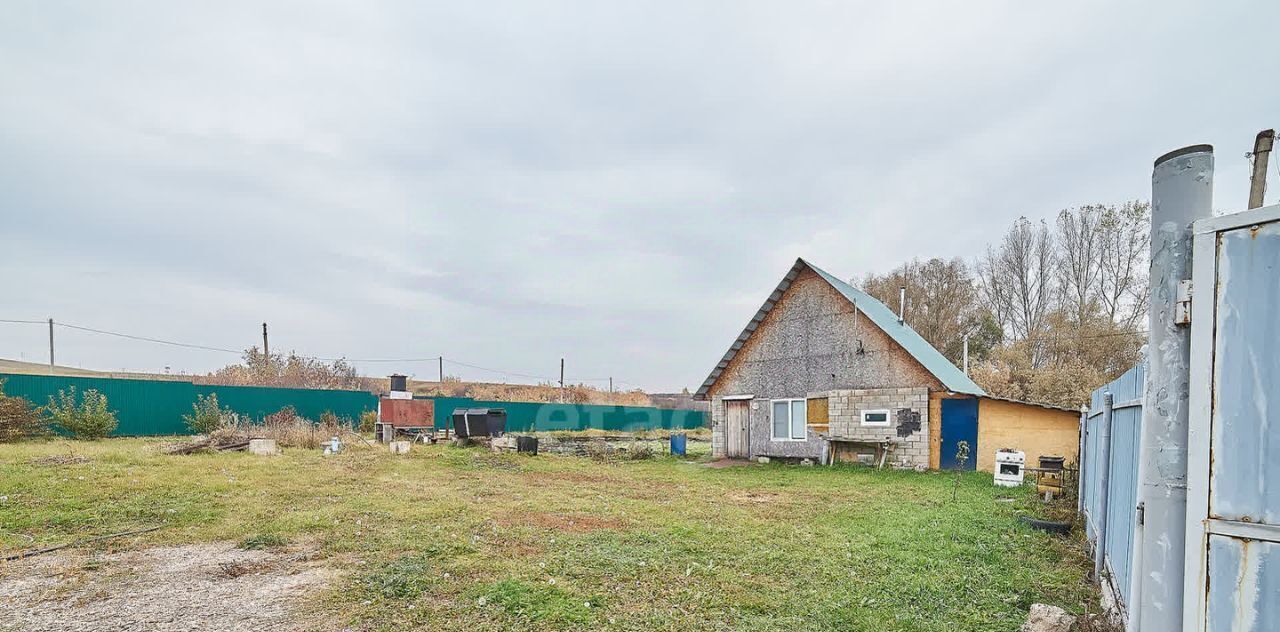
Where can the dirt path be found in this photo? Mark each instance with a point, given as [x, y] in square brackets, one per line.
[191, 588]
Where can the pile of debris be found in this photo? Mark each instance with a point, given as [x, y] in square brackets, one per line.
[216, 442]
[600, 448]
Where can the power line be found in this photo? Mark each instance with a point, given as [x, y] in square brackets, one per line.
[403, 360]
[146, 339]
[188, 345]
[500, 372]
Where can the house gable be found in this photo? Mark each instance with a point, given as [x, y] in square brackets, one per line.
[810, 340]
[823, 334]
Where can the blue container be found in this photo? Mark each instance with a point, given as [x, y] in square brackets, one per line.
[678, 443]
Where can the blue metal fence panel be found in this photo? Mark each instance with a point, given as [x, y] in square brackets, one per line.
[1122, 484]
[1245, 471]
[1244, 590]
[1091, 482]
[1123, 491]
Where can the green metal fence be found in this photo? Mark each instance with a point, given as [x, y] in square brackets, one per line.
[530, 416]
[156, 407]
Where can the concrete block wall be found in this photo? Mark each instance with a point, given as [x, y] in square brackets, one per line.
[845, 410]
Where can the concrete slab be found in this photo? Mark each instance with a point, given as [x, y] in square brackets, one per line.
[262, 447]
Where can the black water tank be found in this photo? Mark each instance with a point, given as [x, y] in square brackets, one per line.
[495, 421]
[399, 382]
[460, 428]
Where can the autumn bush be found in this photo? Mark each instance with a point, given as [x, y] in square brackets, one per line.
[259, 369]
[291, 430]
[367, 420]
[19, 419]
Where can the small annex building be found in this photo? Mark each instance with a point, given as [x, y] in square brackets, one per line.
[824, 371]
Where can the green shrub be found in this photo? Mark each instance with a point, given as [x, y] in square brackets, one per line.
[206, 416]
[19, 419]
[367, 419]
[88, 419]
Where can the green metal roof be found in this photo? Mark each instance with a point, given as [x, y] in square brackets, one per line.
[952, 378]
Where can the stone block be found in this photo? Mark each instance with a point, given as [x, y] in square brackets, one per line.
[1046, 618]
[399, 447]
[262, 447]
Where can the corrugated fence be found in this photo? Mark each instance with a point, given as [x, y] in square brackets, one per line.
[529, 416]
[156, 407]
[1122, 483]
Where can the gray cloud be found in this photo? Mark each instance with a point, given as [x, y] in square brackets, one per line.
[511, 183]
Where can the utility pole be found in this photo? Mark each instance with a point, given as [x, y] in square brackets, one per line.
[966, 354]
[561, 380]
[441, 369]
[266, 351]
[1261, 153]
[1181, 192]
[611, 386]
[50, 343]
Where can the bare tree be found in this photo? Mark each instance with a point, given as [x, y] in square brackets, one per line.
[1123, 254]
[1017, 280]
[1079, 260]
[1071, 301]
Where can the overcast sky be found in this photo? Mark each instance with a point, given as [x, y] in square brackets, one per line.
[619, 184]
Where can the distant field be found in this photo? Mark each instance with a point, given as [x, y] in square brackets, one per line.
[36, 368]
[460, 539]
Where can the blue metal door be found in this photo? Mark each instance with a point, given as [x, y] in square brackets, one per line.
[959, 423]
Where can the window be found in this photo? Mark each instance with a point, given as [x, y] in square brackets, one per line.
[878, 417]
[789, 420]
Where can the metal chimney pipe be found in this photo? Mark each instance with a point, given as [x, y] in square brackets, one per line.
[902, 305]
[1181, 192]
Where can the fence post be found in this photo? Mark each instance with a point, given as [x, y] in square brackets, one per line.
[1084, 445]
[1181, 192]
[1104, 484]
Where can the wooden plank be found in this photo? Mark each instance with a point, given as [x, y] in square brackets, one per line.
[817, 412]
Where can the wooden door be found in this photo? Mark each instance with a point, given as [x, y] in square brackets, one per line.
[735, 429]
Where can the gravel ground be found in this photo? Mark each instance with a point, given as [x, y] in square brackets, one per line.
[193, 588]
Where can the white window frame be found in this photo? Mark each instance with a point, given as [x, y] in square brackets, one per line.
[888, 421]
[790, 421]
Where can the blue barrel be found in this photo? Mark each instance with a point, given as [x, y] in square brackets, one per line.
[678, 443]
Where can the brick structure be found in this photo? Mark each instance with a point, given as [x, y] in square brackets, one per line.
[908, 429]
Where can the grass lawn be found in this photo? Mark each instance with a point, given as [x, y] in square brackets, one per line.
[448, 538]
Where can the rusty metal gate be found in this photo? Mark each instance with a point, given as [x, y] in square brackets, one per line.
[1232, 578]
